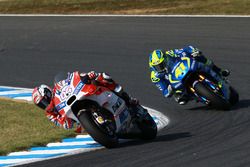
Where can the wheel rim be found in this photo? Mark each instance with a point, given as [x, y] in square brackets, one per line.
[104, 124]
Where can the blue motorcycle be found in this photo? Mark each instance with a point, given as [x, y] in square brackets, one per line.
[201, 86]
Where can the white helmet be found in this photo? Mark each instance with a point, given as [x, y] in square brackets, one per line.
[42, 96]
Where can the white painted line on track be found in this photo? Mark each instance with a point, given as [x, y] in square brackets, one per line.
[42, 152]
[110, 15]
[72, 152]
[70, 143]
[64, 154]
[82, 136]
[14, 92]
[23, 98]
[15, 161]
[18, 88]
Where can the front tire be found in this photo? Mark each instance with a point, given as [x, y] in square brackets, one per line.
[215, 100]
[100, 135]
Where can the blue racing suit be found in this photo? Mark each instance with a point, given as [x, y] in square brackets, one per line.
[161, 80]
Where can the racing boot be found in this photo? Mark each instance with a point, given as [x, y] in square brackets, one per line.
[221, 72]
[207, 62]
[130, 101]
[225, 72]
[133, 101]
[180, 98]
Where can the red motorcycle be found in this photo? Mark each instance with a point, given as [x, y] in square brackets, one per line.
[103, 114]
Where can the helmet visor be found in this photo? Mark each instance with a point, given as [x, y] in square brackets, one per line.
[160, 67]
[43, 103]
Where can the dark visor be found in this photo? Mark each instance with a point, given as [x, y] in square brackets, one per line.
[43, 103]
[160, 67]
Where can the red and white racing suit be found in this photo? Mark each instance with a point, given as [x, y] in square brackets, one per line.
[60, 119]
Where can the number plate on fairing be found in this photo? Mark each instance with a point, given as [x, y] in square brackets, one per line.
[66, 92]
[123, 116]
[121, 113]
[117, 105]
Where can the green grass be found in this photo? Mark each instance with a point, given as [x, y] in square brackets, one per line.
[126, 6]
[23, 125]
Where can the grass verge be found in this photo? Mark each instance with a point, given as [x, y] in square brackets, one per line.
[23, 125]
[126, 6]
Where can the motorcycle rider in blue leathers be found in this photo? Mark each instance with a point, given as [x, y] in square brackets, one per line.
[161, 63]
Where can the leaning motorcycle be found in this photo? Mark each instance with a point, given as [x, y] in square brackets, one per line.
[104, 115]
[201, 86]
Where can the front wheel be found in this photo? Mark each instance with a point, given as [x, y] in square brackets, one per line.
[102, 134]
[214, 99]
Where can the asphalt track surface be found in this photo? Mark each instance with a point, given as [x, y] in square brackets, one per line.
[34, 49]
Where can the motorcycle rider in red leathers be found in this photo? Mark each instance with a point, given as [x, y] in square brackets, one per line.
[43, 97]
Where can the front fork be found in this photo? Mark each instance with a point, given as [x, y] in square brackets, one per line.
[202, 79]
[221, 88]
[104, 121]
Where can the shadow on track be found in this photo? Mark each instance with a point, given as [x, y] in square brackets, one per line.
[200, 108]
[173, 136]
[245, 103]
[168, 137]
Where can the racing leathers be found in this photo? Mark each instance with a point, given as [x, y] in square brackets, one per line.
[103, 79]
[161, 80]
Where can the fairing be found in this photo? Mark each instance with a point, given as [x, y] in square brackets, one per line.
[101, 95]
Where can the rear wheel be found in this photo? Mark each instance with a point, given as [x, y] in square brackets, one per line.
[215, 100]
[234, 96]
[98, 128]
[148, 127]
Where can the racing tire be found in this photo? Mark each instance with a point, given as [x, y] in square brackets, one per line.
[234, 96]
[215, 100]
[87, 121]
[148, 128]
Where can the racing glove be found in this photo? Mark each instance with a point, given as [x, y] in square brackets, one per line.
[92, 75]
[88, 77]
[195, 52]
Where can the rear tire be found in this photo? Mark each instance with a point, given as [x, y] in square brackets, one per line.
[234, 96]
[87, 121]
[215, 100]
[148, 128]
